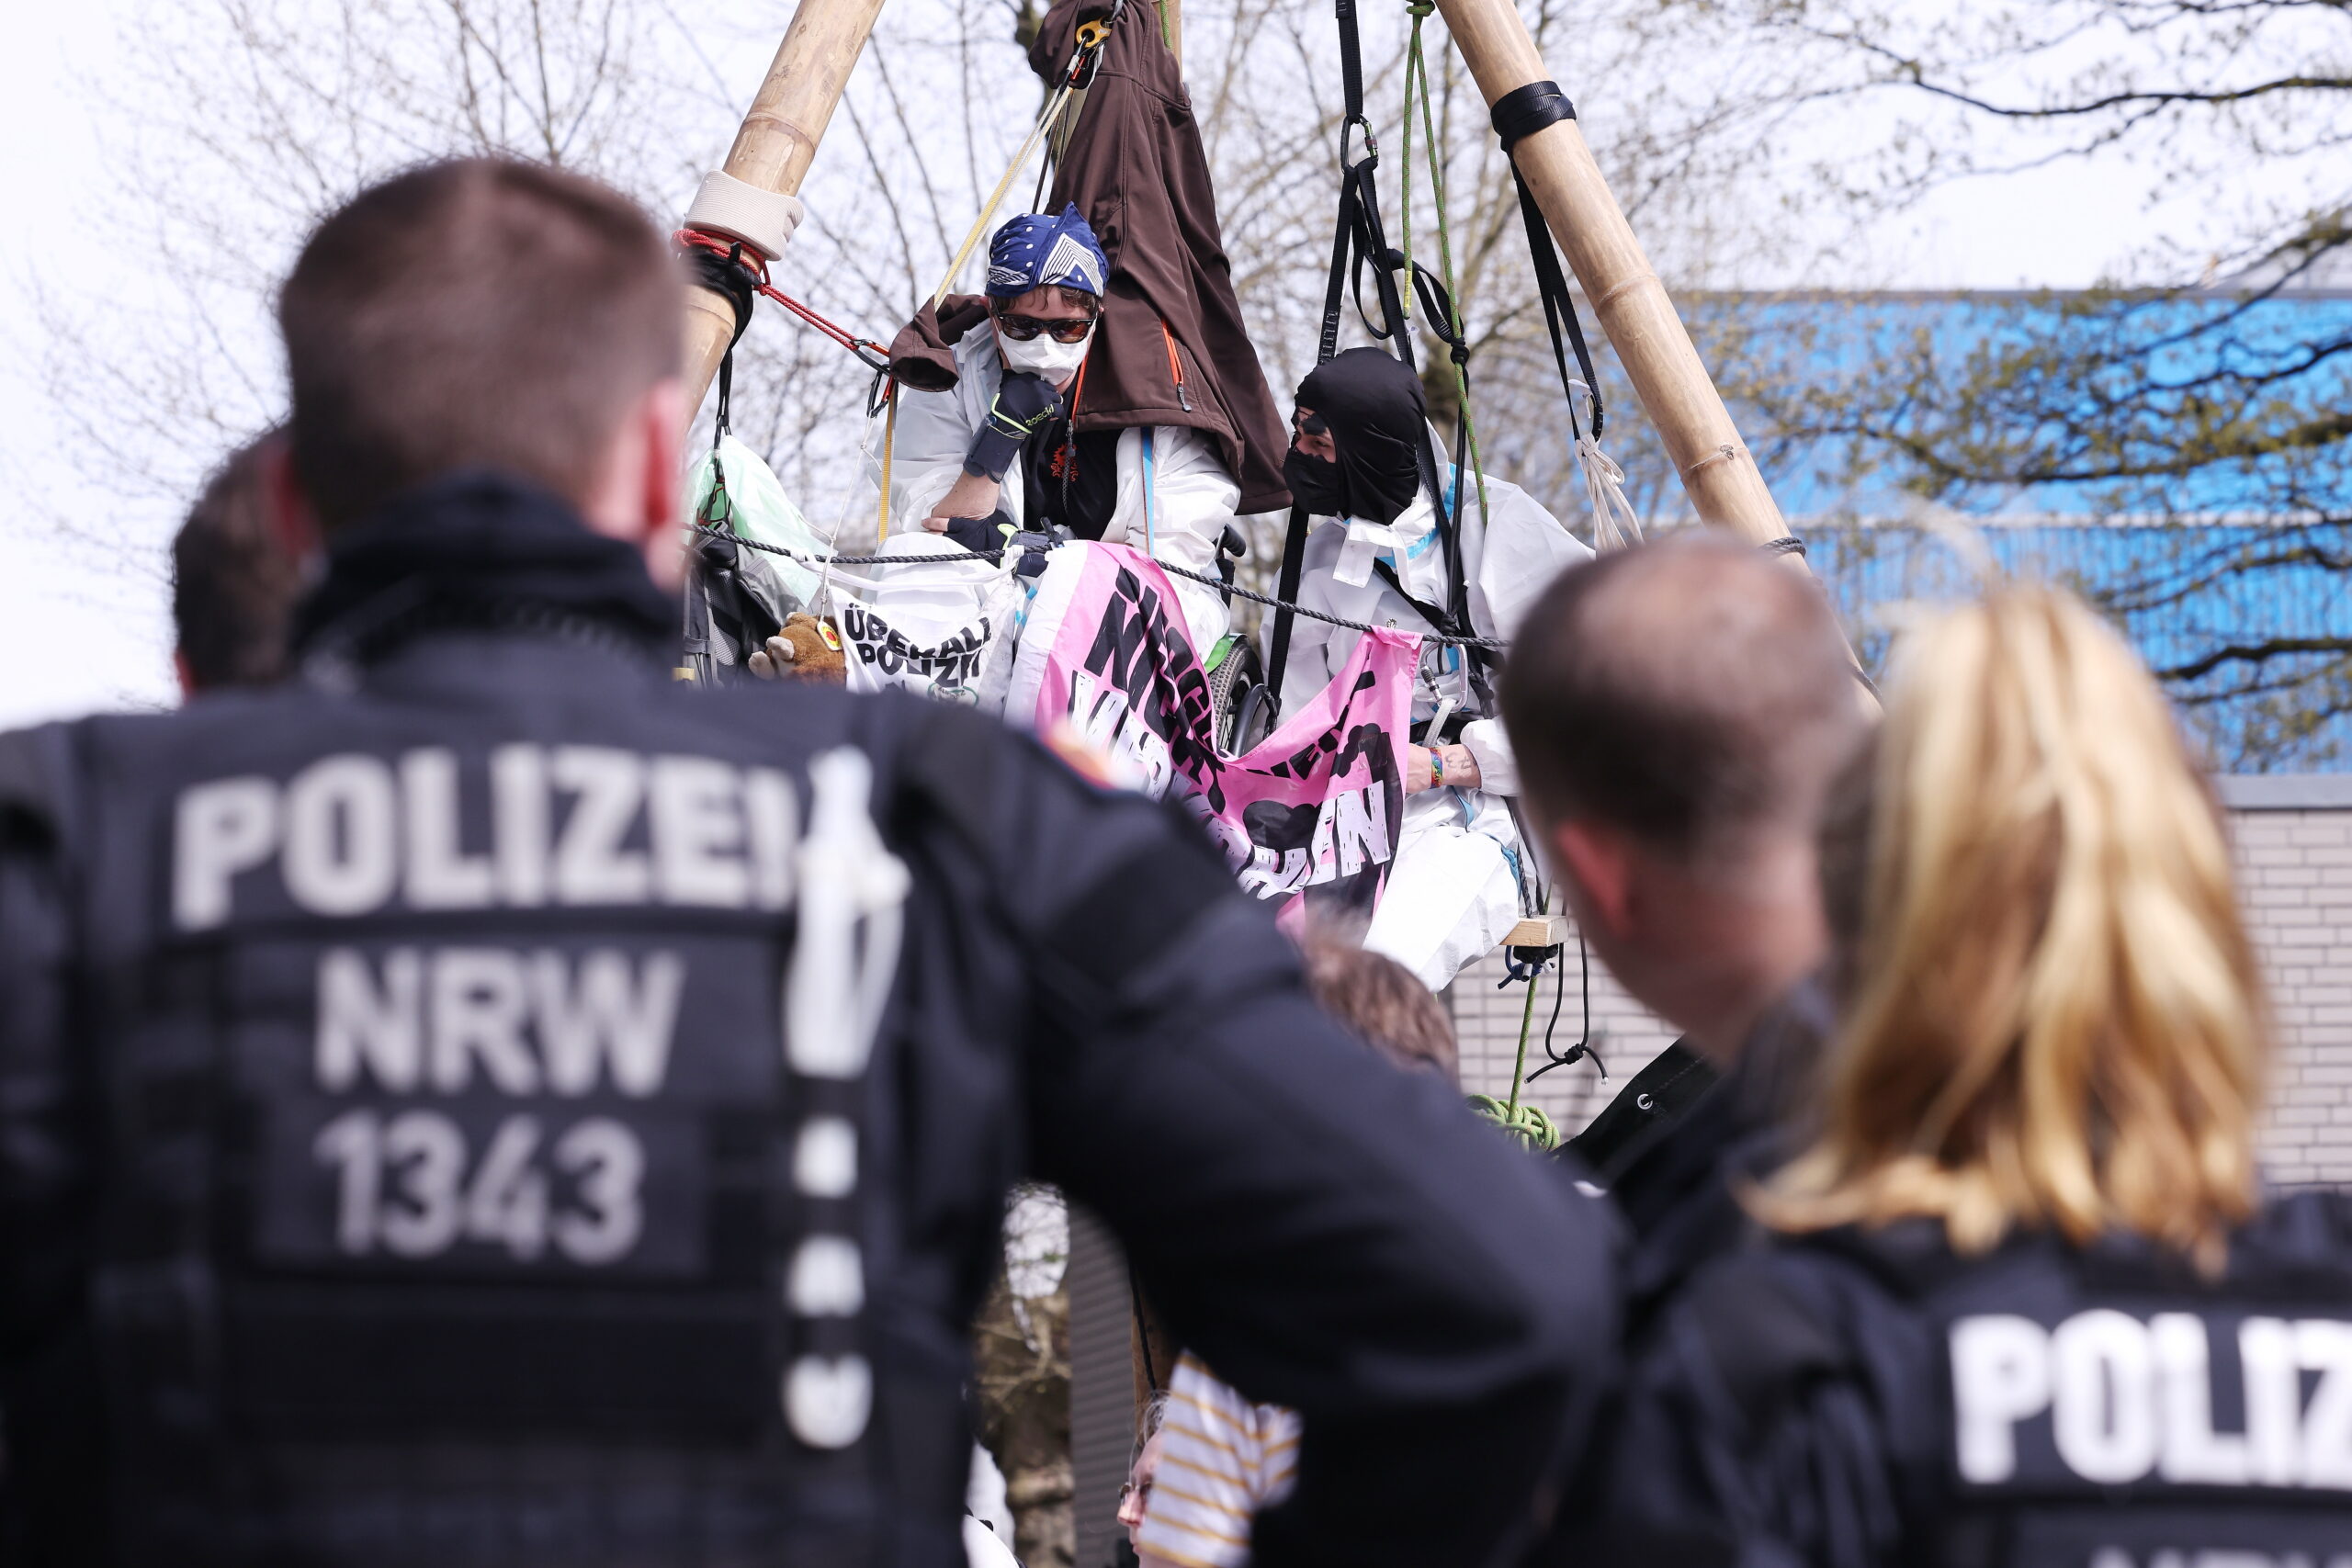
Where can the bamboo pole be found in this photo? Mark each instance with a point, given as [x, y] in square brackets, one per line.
[1717, 471]
[775, 144]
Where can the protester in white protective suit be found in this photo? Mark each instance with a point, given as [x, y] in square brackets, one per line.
[1376, 548]
[997, 450]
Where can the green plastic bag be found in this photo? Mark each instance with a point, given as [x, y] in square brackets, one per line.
[757, 509]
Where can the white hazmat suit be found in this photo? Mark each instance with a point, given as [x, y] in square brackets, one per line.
[1175, 497]
[1453, 892]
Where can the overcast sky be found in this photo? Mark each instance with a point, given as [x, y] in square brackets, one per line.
[72, 638]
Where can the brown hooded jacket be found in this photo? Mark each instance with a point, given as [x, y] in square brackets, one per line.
[1171, 349]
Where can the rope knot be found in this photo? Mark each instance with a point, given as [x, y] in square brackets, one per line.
[1524, 1122]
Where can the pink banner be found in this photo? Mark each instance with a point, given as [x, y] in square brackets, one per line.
[1309, 814]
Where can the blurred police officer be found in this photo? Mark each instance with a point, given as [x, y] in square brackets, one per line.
[1679, 711]
[234, 579]
[476, 1103]
[2030, 1306]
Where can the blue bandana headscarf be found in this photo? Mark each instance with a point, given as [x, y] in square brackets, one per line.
[1034, 250]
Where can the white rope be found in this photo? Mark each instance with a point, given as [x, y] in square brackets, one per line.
[1614, 521]
[823, 596]
[1615, 525]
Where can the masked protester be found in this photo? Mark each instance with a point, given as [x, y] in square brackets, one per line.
[997, 450]
[1377, 554]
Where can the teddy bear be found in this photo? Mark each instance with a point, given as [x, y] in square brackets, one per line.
[805, 649]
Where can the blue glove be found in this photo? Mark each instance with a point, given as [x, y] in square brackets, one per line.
[1025, 404]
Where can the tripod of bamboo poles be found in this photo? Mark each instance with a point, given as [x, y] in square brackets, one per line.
[789, 115]
[787, 118]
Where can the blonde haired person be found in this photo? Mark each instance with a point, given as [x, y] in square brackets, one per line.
[2028, 1304]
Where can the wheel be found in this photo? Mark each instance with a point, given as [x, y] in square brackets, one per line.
[1254, 721]
[1240, 708]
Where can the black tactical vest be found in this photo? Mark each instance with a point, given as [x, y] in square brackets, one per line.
[483, 1125]
[2106, 1407]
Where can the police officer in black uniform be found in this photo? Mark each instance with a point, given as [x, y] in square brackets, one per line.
[478, 1103]
[2030, 1307]
[1678, 714]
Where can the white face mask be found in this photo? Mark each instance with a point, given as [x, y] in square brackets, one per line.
[1041, 355]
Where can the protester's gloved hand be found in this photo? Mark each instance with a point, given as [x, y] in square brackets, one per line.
[1024, 402]
[979, 535]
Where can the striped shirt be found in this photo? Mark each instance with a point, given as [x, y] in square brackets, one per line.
[1221, 1460]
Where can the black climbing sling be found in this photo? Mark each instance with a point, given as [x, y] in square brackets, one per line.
[1518, 114]
[1357, 239]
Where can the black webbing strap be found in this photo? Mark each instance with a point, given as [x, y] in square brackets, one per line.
[714, 591]
[1522, 112]
[1358, 239]
[1350, 60]
[1516, 115]
[730, 278]
[1286, 589]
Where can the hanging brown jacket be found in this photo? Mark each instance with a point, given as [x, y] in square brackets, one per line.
[1171, 349]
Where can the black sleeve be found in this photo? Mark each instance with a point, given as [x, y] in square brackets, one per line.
[45, 1146]
[48, 1368]
[1751, 1430]
[1328, 1232]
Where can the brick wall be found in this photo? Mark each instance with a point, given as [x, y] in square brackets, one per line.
[2294, 842]
[2293, 838]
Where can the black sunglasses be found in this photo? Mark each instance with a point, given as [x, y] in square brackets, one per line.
[1021, 328]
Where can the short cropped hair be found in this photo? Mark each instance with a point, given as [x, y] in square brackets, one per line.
[481, 312]
[1685, 692]
[1381, 1002]
[233, 584]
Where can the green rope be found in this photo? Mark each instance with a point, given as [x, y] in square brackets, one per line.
[1417, 73]
[1527, 1123]
[1414, 63]
[1526, 1025]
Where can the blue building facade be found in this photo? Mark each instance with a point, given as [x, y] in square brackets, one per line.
[2231, 572]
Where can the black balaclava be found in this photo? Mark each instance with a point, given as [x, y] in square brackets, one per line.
[1373, 405]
